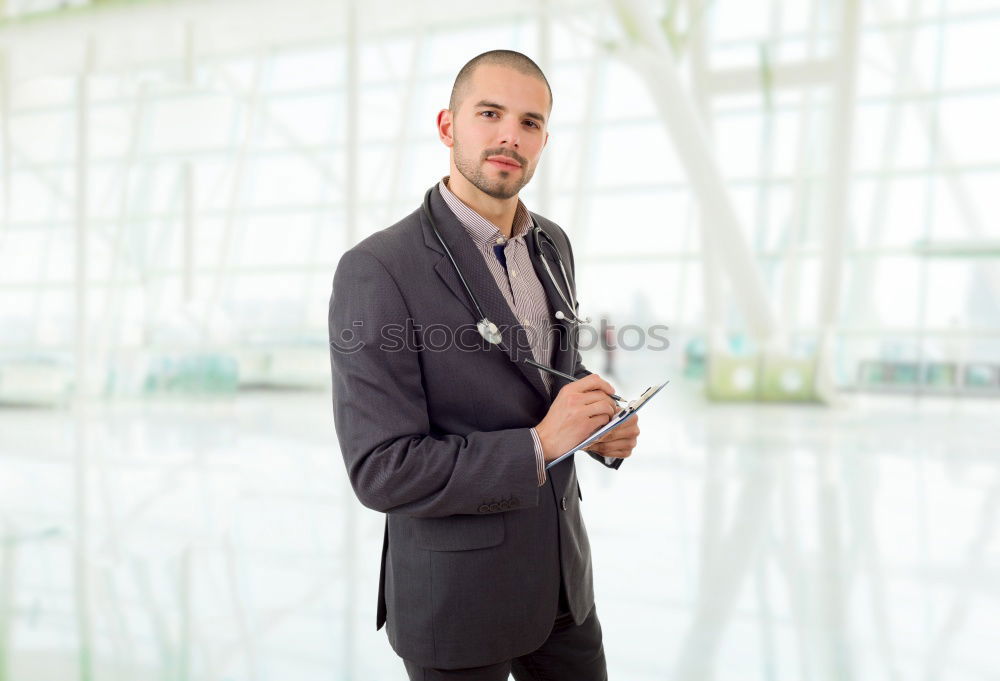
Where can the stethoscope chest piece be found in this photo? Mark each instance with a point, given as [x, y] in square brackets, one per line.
[489, 331]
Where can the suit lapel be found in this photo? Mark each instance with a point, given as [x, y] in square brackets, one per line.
[477, 275]
[563, 357]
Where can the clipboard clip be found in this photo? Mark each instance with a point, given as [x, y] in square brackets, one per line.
[633, 405]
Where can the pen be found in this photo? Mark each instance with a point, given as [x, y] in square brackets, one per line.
[560, 374]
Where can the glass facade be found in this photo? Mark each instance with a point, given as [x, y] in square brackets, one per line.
[178, 183]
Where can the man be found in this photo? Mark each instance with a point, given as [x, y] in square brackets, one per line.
[486, 565]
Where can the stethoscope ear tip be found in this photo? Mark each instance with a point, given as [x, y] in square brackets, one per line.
[560, 315]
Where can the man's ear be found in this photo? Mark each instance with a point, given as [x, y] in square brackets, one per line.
[445, 126]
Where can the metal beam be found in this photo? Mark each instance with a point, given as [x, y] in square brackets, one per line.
[652, 57]
[582, 190]
[712, 278]
[860, 300]
[188, 181]
[5, 151]
[236, 196]
[81, 560]
[971, 215]
[543, 174]
[352, 157]
[837, 196]
[403, 133]
[804, 74]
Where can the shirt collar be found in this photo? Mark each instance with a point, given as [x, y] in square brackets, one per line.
[479, 228]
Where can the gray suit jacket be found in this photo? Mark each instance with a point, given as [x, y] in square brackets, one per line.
[436, 436]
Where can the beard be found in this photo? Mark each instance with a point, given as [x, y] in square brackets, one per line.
[506, 186]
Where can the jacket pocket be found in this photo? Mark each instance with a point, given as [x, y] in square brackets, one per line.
[459, 532]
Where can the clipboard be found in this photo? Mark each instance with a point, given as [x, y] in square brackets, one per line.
[619, 418]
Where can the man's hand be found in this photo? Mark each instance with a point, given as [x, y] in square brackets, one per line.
[580, 408]
[620, 442]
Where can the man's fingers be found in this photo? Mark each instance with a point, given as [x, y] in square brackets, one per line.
[618, 441]
[628, 431]
[596, 396]
[625, 432]
[616, 452]
[600, 408]
[591, 382]
[598, 421]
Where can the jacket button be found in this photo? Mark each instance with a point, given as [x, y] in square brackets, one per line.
[564, 503]
[484, 509]
[504, 505]
[494, 507]
[514, 502]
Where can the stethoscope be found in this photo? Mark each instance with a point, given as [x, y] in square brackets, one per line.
[487, 329]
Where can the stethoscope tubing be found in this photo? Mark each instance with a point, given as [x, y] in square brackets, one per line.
[568, 298]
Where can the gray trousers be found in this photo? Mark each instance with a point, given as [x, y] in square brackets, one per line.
[570, 653]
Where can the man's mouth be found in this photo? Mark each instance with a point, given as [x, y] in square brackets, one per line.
[504, 162]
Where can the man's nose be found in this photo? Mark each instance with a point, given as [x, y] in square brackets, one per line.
[510, 135]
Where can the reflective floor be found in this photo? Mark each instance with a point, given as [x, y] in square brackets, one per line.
[218, 540]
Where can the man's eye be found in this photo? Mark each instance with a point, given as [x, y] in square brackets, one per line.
[489, 113]
[531, 123]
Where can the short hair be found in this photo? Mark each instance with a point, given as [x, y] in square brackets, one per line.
[509, 58]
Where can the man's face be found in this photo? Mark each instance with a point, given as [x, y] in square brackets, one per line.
[499, 129]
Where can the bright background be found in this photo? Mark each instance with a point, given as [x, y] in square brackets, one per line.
[803, 191]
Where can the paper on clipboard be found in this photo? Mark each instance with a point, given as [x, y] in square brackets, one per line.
[619, 418]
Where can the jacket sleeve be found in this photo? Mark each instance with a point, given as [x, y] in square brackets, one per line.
[380, 412]
[579, 371]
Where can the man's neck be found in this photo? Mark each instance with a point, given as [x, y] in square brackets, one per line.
[498, 211]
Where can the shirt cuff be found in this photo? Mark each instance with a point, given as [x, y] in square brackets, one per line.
[539, 458]
[608, 460]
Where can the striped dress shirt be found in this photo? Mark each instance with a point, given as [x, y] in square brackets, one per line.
[509, 263]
